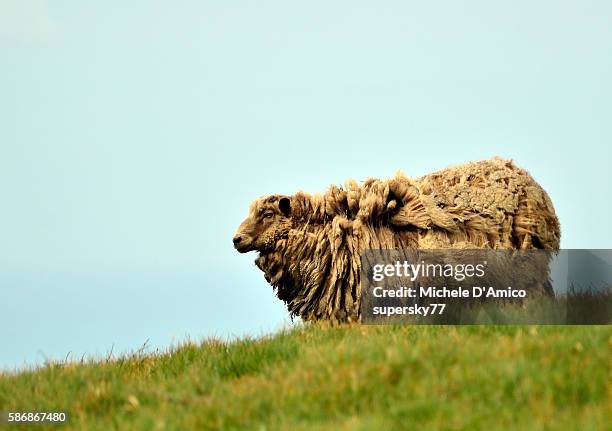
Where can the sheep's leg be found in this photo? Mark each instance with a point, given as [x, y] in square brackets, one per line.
[526, 243]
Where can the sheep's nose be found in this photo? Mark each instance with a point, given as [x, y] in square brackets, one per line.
[237, 239]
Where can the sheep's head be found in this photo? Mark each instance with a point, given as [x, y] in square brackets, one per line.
[268, 221]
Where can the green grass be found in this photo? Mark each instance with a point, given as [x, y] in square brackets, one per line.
[359, 377]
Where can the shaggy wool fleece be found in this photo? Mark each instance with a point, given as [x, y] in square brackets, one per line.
[310, 245]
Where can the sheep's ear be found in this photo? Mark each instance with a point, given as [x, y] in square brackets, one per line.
[284, 204]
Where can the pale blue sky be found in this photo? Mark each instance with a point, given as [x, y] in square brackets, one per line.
[135, 134]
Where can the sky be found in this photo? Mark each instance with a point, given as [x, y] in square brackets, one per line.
[135, 134]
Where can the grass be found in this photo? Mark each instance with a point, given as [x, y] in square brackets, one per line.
[353, 377]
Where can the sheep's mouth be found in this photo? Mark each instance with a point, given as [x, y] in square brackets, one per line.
[244, 248]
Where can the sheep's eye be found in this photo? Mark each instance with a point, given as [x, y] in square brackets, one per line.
[268, 215]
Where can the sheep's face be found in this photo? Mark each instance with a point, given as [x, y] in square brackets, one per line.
[268, 221]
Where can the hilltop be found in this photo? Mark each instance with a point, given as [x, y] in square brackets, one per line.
[351, 377]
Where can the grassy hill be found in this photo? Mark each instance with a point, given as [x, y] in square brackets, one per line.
[359, 377]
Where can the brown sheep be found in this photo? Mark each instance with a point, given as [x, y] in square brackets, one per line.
[310, 246]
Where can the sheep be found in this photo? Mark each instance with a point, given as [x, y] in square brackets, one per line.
[310, 245]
